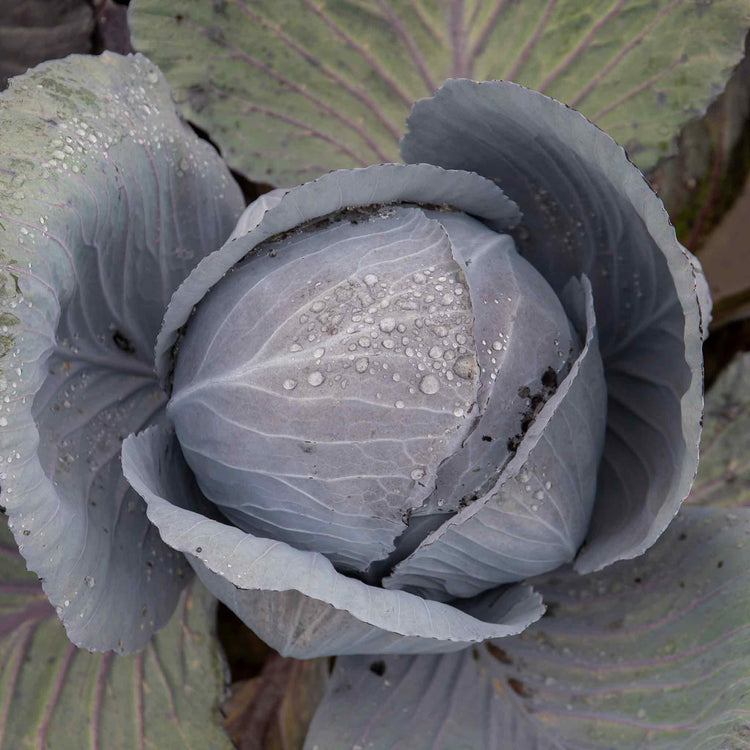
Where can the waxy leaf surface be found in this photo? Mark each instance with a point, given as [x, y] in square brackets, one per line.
[292, 88]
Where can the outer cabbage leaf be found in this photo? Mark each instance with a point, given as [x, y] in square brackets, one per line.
[380, 184]
[295, 600]
[54, 695]
[325, 84]
[648, 653]
[724, 471]
[536, 515]
[107, 201]
[588, 210]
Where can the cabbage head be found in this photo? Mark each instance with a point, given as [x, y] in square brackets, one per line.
[398, 392]
[392, 396]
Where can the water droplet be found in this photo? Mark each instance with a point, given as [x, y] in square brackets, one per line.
[315, 378]
[364, 342]
[3, 422]
[418, 474]
[435, 352]
[387, 325]
[89, 581]
[289, 384]
[295, 348]
[535, 508]
[399, 404]
[419, 278]
[319, 352]
[318, 306]
[362, 364]
[370, 279]
[446, 299]
[458, 412]
[465, 366]
[539, 495]
[388, 343]
[497, 346]
[429, 385]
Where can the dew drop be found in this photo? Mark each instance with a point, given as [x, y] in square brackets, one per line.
[362, 364]
[429, 385]
[399, 404]
[497, 346]
[417, 474]
[89, 581]
[295, 348]
[370, 279]
[315, 378]
[318, 306]
[289, 384]
[319, 352]
[465, 367]
[435, 352]
[387, 325]
[539, 495]
[364, 342]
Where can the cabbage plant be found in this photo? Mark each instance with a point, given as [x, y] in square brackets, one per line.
[367, 410]
[396, 389]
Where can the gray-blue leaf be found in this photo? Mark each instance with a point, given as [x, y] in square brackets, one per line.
[536, 515]
[295, 600]
[108, 200]
[587, 210]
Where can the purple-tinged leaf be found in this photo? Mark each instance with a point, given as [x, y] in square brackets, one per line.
[292, 88]
[648, 653]
[53, 695]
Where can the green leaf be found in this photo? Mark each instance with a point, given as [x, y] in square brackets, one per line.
[53, 695]
[649, 653]
[724, 468]
[290, 89]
